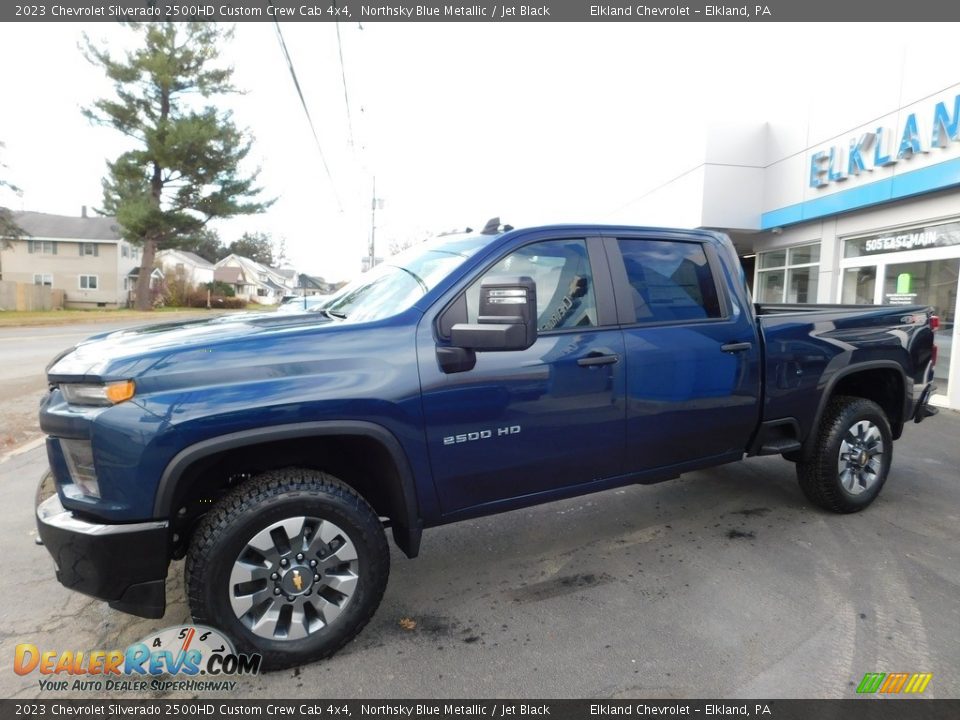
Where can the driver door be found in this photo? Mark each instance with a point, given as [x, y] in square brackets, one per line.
[540, 421]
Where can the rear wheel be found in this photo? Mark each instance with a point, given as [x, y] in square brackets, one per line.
[849, 464]
[290, 565]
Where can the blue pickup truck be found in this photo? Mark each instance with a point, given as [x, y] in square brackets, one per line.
[472, 374]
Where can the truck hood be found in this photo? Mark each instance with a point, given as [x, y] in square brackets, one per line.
[130, 352]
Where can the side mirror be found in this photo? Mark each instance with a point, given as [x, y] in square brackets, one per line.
[507, 319]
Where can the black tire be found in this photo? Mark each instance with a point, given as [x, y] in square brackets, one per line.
[289, 496]
[819, 472]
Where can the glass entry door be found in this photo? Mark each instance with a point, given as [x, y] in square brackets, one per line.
[932, 282]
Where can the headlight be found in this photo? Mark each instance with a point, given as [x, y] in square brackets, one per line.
[79, 457]
[89, 394]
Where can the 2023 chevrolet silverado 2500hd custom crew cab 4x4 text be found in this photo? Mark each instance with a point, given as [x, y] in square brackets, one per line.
[470, 375]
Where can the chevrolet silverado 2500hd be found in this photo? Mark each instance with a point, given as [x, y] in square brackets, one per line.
[470, 375]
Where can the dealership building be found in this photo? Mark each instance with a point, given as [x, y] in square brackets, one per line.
[855, 201]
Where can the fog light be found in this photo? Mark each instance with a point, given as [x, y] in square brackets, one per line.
[79, 457]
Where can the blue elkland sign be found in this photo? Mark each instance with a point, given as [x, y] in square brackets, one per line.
[872, 150]
[879, 149]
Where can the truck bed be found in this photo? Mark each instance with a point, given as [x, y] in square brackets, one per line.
[810, 348]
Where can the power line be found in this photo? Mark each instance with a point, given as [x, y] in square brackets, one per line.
[343, 76]
[306, 110]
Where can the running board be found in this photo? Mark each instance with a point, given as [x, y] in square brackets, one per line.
[779, 446]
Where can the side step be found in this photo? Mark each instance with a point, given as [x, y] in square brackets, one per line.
[779, 446]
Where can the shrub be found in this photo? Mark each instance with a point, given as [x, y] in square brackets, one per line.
[198, 299]
[218, 287]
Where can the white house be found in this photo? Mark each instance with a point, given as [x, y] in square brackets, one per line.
[253, 281]
[186, 266]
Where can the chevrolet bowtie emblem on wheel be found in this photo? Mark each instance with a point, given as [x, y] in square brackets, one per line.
[297, 580]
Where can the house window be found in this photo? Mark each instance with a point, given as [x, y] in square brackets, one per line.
[44, 279]
[88, 282]
[261, 292]
[790, 275]
[42, 247]
[89, 249]
[125, 250]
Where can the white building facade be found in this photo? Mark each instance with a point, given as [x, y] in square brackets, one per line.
[857, 202]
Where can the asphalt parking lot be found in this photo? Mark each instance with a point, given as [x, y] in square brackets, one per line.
[722, 584]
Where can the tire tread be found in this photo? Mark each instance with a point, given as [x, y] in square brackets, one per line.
[817, 472]
[261, 489]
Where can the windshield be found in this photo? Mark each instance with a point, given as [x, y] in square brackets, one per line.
[395, 285]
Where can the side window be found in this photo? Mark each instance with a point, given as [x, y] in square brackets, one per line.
[561, 270]
[670, 281]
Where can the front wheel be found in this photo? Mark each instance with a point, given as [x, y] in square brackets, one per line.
[290, 565]
[849, 464]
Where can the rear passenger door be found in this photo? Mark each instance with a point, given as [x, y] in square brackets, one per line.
[692, 355]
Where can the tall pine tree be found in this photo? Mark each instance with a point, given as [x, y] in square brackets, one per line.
[185, 167]
[9, 230]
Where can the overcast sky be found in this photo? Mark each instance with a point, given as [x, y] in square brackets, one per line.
[459, 122]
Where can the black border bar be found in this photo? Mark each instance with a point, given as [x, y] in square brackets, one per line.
[852, 11]
[865, 708]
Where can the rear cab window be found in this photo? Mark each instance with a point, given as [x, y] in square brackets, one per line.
[669, 281]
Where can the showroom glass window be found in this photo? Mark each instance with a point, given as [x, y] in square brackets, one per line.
[909, 266]
[788, 275]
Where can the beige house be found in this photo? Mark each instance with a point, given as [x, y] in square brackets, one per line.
[83, 256]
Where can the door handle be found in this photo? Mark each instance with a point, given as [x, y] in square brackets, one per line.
[592, 360]
[736, 347]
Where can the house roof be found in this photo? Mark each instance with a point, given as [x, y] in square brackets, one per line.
[241, 261]
[196, 259]
[254, 271]
[312, 281]
[232, 275]
[135, 273]
[64, 227]
[192, 257]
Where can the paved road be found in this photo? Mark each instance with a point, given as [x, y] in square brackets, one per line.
[721, 584]
[24, 353]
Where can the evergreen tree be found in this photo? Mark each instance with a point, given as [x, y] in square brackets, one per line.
[256, 246]
[184, 169]
[206, 244]
[9, 230]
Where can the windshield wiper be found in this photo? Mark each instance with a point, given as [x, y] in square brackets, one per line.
[420, 282]
[336, 315]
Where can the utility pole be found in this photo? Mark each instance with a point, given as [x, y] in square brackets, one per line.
[373, 222]
[375, 202]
